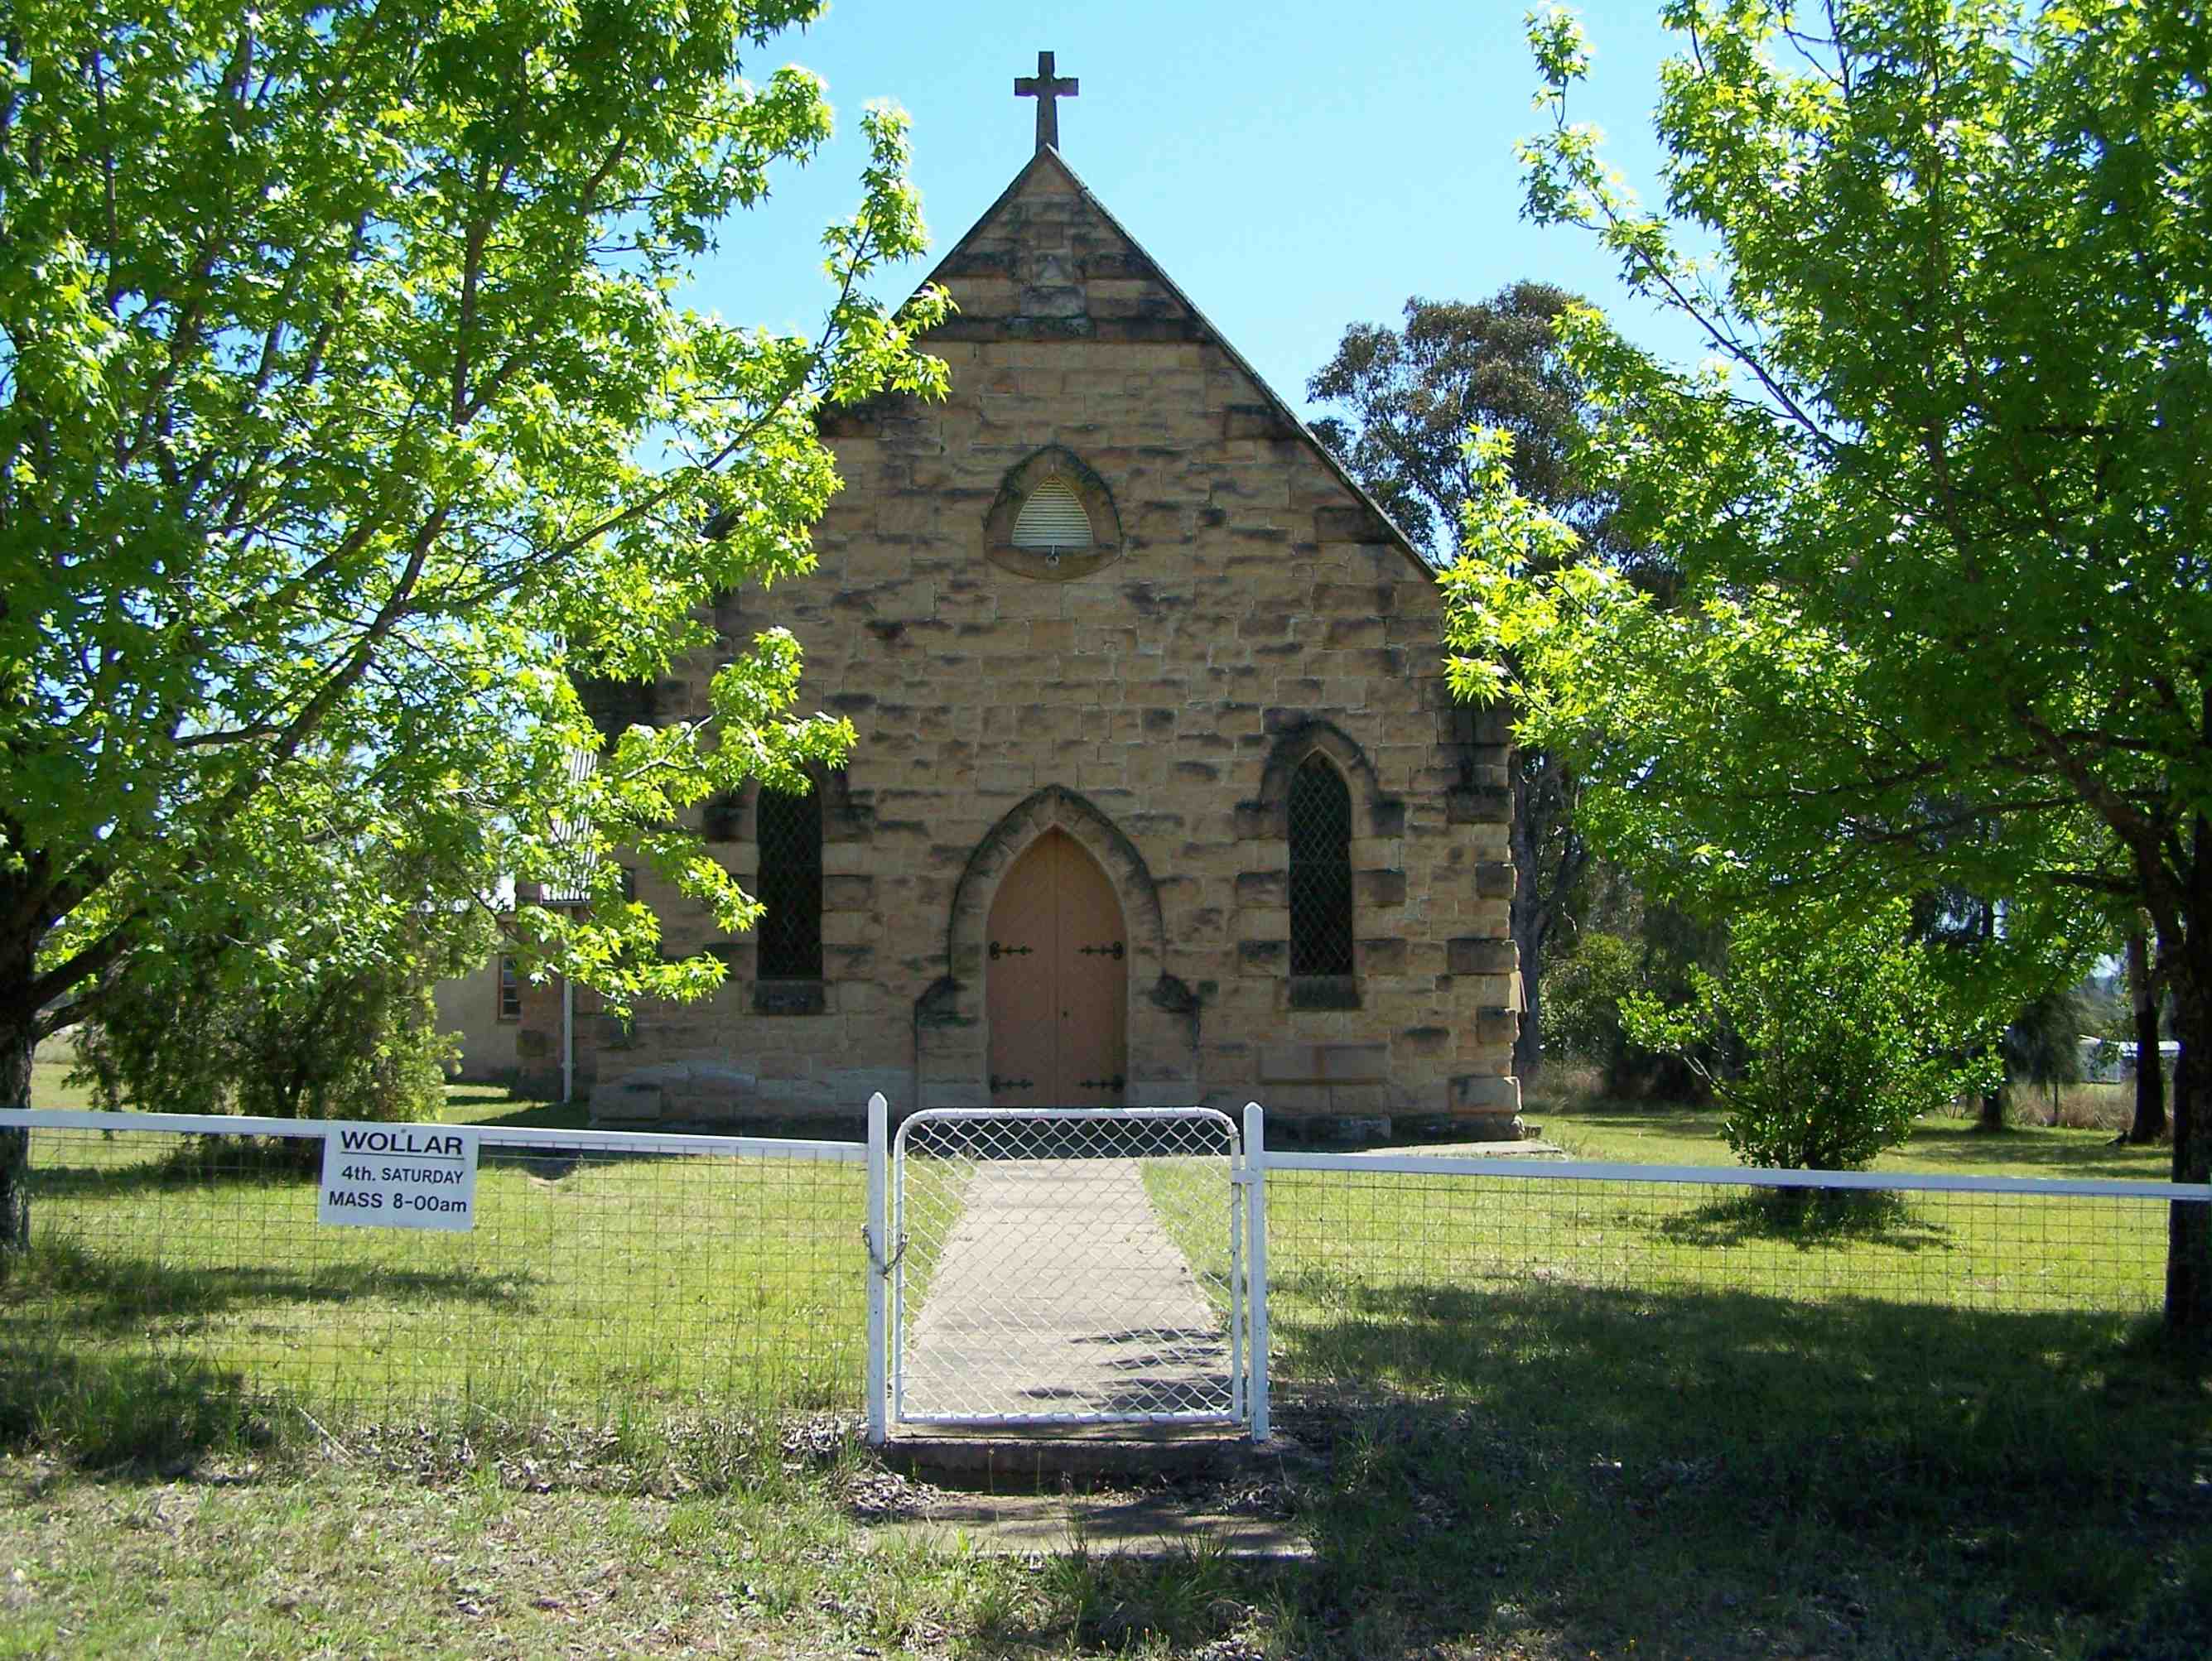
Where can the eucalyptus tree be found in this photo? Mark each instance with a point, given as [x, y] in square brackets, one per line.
[1410, 395]
[1938, 503]
[347, 415]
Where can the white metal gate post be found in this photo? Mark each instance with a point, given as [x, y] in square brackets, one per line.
[878, 1237]
[1239, 1190]
[1255, 1259]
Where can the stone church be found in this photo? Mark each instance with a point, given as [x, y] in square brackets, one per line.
[1159, 797]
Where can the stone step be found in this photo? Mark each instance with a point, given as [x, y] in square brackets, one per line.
[1145, 1526]
[1049, 1458]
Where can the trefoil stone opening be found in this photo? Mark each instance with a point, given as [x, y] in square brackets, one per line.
[1053, 519]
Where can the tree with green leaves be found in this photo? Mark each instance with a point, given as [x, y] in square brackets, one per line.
[346, 418]
[1937, 505]
[290, 1007]
[1845, 1031]
[1410, 395]
[1628, 940]
[2025, 959]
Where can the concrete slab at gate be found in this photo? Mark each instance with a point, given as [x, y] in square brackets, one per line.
[1140, 1525]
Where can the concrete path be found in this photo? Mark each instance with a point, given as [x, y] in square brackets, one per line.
[1057, 1291]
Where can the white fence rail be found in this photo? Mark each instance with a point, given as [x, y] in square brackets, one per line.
[491, 1136]
[202, 1256]
[1736, 1176]
[603, 1268]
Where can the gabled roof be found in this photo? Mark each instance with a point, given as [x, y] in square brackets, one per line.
[1048, 157]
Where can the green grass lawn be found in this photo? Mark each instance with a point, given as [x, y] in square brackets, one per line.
[205, 1299]
[1536, 1420]
[1641, 1418]
[1681, 1420]
[1347, 1240]
[363, 1561]
[591, 1284]
[1664, 1133]
[1701, 1471]
[50, 1088]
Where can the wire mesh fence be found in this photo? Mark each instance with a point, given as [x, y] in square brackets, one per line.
[1073, 1265]
[630, 1273]
[1420, 1277]
[1082, 1265]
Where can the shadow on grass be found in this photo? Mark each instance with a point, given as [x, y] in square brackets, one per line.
[1808, 1218]
[61, 1170]
[519, 1115]
[110, 1411]
[1720, 1472]
[2036, 1151]
[113, 1294]
[1647, 1118]
[1544, 1469]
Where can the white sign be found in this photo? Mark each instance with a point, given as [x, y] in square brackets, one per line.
[400, 1176]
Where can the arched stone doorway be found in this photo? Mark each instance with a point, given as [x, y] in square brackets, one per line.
[952, 1028]
[1056, 980]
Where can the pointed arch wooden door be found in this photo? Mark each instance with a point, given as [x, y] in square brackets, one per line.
[1057, 982]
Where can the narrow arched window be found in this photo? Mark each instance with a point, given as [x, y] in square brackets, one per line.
[1321, 870]
[788, 830]
[1053, 517]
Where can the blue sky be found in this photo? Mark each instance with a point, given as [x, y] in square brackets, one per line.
[1294, 166]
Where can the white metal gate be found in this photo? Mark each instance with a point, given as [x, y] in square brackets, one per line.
[1067, 1266]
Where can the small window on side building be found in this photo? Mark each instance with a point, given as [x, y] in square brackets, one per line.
[510, 990]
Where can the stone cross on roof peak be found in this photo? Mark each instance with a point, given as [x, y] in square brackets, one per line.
[1044, 86]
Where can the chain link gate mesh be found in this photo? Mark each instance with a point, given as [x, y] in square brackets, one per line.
[1070, 1265]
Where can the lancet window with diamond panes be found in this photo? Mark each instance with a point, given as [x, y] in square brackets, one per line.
[1321, 870]
[788, 829]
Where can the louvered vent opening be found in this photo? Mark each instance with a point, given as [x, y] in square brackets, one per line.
[1053, 517]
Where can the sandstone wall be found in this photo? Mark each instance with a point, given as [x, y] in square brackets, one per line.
[1253, 611]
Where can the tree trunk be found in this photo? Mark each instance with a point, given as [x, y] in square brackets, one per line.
[2150, 1081]
[2186, 965]
[1993, 1109]
[15, 1051]
[2188, 1234]
[1525, 923]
